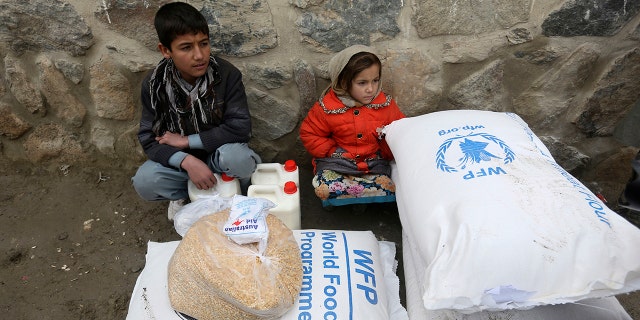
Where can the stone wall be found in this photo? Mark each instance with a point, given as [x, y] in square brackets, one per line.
[69, 93]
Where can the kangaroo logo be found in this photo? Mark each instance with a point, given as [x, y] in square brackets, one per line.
[473, 149]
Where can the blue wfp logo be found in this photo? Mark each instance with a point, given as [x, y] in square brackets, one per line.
[473, 153]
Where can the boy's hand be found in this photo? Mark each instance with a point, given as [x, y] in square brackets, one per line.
[199, 173]
[174, 140]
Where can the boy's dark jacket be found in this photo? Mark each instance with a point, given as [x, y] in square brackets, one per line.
[236, 121]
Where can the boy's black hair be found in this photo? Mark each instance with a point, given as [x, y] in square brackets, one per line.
[178, 18]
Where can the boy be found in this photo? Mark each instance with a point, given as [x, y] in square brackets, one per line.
[195, 119]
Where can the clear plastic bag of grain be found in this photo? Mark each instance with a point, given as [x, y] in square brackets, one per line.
[213, 278]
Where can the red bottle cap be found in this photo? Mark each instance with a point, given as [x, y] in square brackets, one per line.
[290, 165]
[290, 187]
[225, 177]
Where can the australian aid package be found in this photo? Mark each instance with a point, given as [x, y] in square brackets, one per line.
[247, 221]
[497, 223]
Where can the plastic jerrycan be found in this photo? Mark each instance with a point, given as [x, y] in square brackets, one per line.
[226, 187]
[276, 173]
[286, 198]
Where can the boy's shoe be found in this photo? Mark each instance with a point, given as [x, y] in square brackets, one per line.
[174, 207]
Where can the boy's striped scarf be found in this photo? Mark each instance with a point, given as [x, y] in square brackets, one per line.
[179, 109]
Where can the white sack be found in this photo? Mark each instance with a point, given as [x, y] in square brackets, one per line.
[591, 309]
[150, 297]
[498, 223]
[346, 275]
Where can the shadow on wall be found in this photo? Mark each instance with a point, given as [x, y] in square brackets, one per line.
[628, 131]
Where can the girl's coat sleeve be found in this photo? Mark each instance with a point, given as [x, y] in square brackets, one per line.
[315, 134]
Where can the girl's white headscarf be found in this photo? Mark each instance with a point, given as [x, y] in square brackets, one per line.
[338, 62]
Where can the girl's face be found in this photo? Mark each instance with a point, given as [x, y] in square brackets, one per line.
[364, 85]
[190, 54]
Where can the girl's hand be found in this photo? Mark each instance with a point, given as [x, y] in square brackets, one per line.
[379, 134]
[174, 140]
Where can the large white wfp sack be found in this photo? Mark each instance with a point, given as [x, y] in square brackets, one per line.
[498, 223]
[590, 309]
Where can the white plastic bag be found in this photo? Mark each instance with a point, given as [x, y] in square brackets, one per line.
[211, 277]
[192, 212]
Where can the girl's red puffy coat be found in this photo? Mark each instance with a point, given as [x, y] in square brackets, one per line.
[354, 130]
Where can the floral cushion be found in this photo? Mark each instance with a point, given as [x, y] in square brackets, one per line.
[337, 189]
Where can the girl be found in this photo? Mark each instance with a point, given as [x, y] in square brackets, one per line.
[342, 132]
